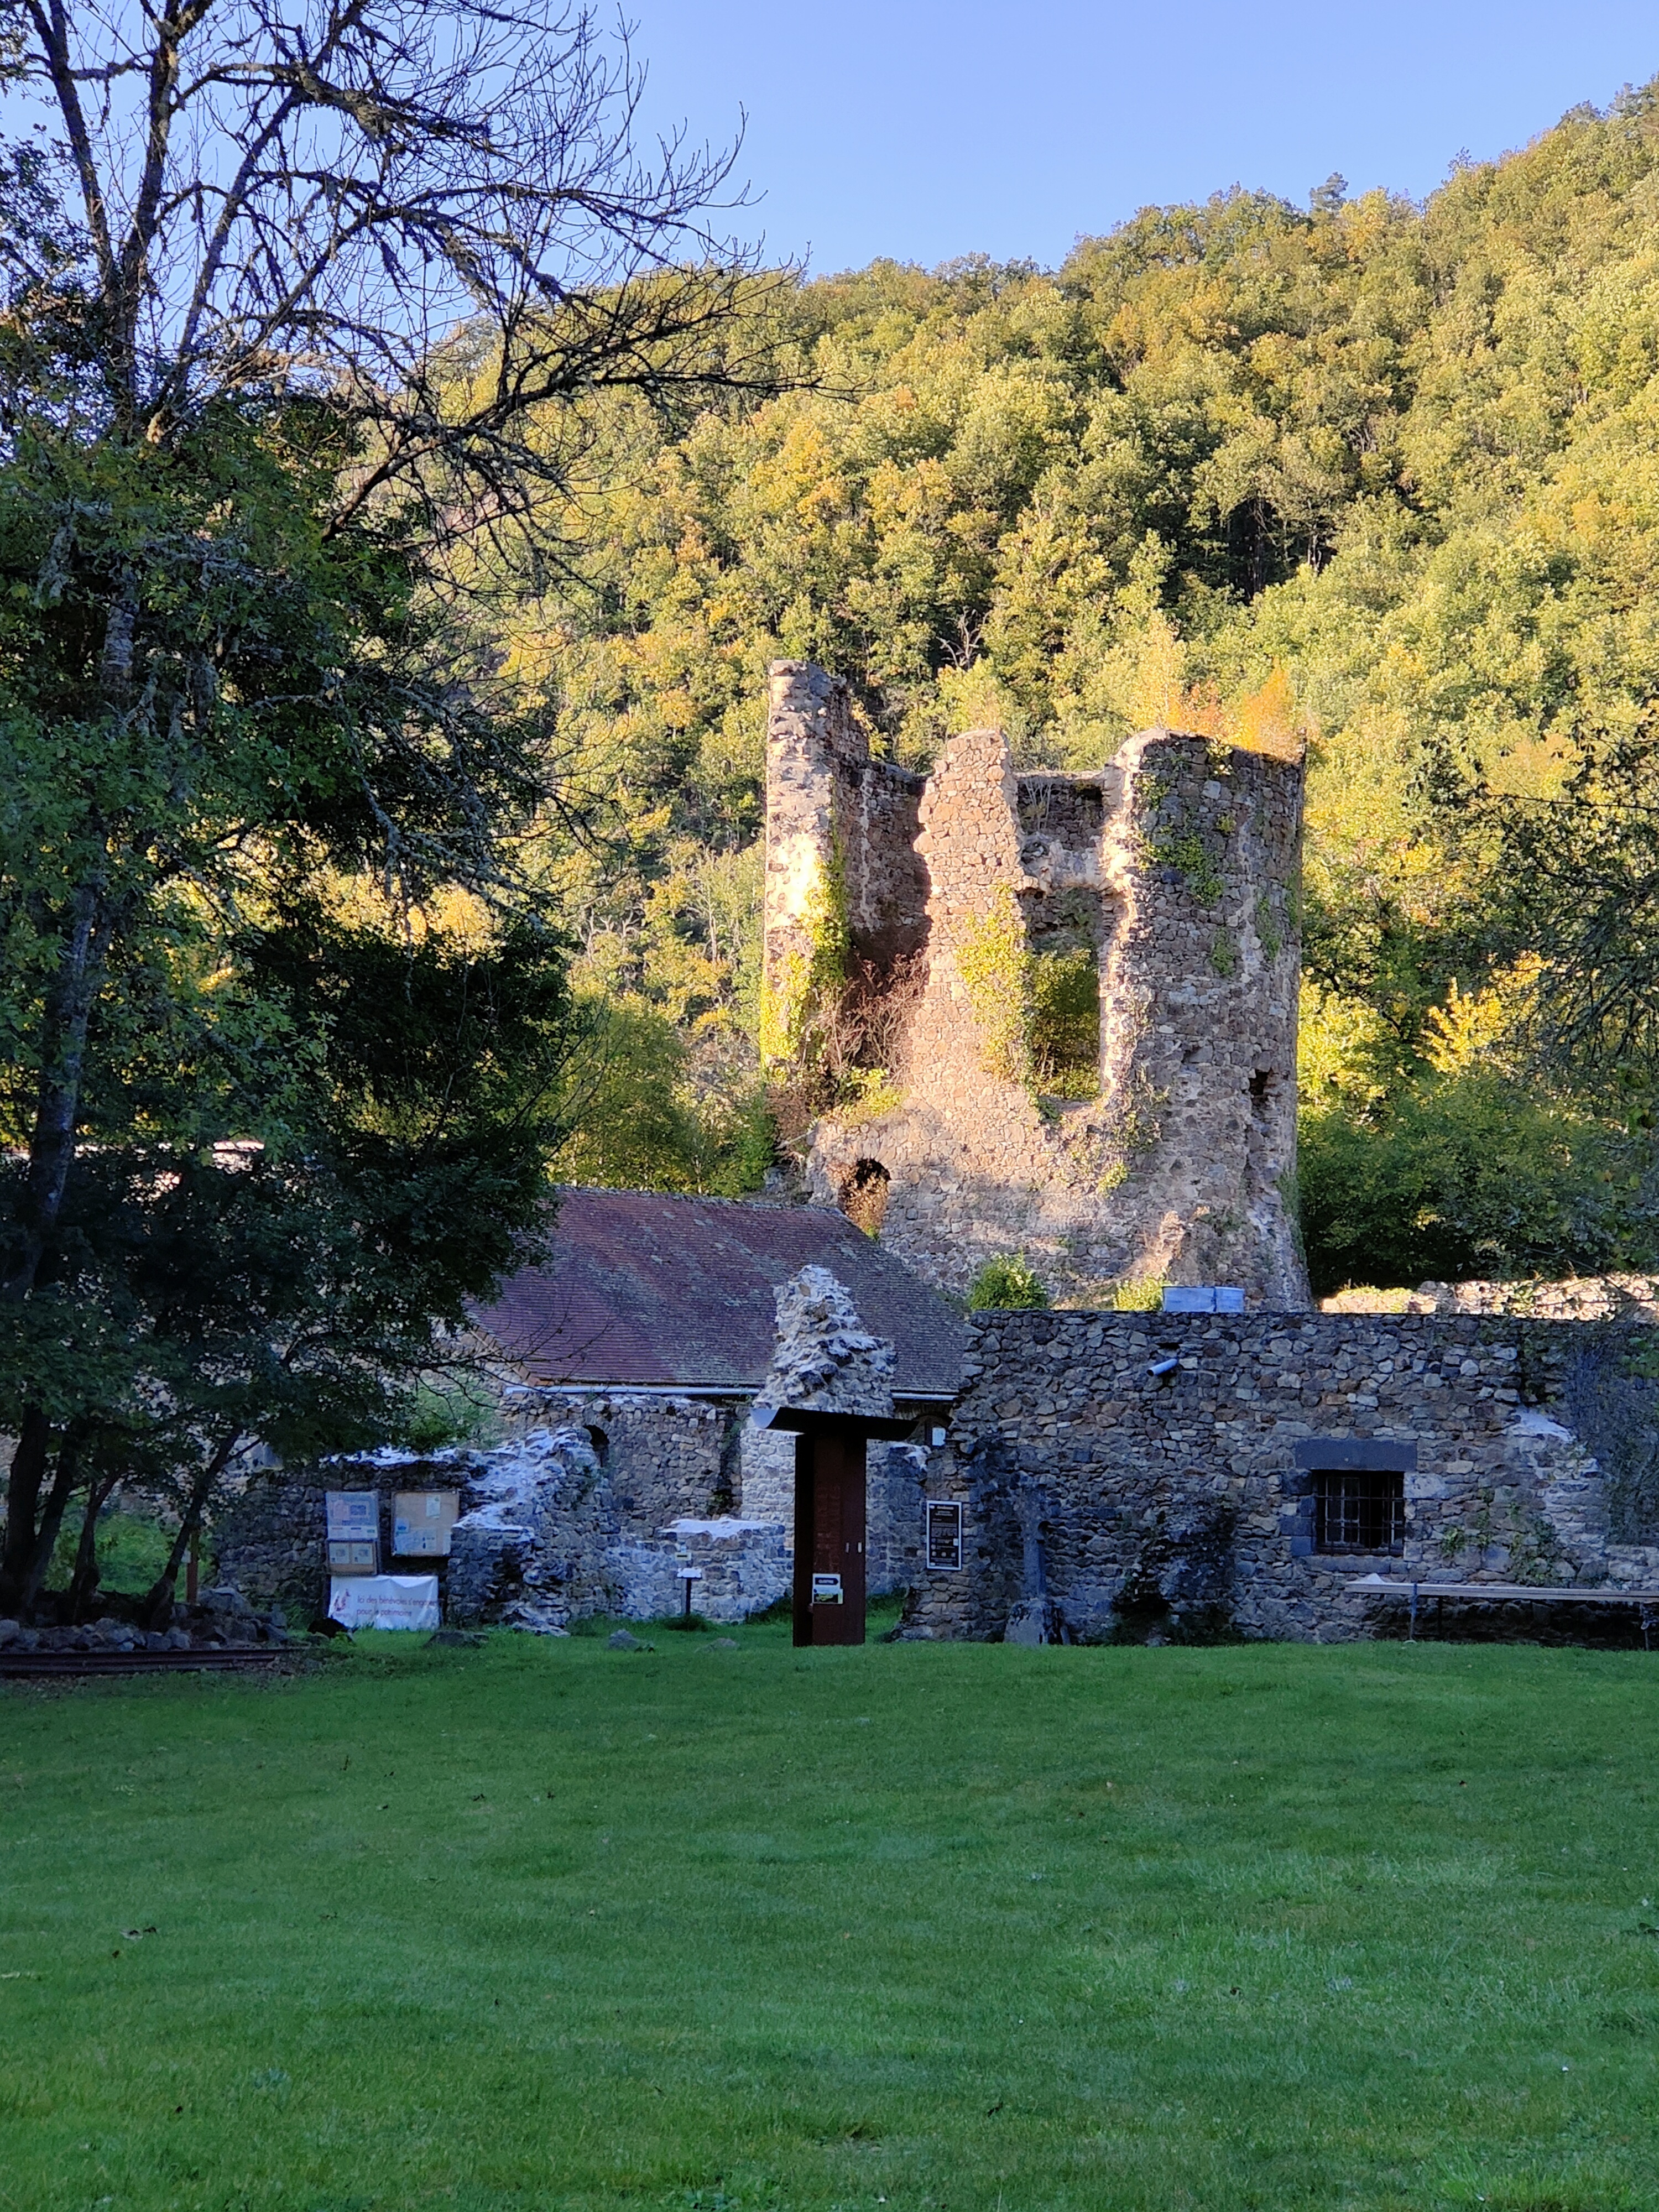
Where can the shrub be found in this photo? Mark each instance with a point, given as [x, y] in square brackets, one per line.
[1063, 1033]
[1008, 1281]
[1467, 1176]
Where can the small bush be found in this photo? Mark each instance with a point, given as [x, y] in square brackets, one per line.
[1065, 1024]
[1007, 1282]
[1467, 1175]
[459, 1413]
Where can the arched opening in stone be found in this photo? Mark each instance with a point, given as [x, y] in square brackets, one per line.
[863, 1195]
[601, 1445]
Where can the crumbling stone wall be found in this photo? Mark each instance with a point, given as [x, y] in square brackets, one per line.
[662, 1453]
[1175, 866]
[536, 1545]
[1171, 1503]
[595, 1499]
[271, 1542]
[841, 831]
[1581, 1297]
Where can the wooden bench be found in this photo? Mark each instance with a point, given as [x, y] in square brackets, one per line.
[1508, 1594]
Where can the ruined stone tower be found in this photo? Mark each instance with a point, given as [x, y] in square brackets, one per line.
[1054, 1014]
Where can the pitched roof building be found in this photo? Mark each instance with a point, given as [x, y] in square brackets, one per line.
[642, 1291]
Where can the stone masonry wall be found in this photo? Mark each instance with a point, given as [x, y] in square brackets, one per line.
[837, 823]
[271, 1542]
[661, 1455]
[1179, 863]
[591, 1505]
[1171, 1503]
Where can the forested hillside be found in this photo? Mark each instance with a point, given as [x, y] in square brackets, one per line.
[1382, 473]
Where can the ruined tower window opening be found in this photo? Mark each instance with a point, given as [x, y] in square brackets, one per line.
[863, 1195]
[601, 1441]
[863, 1032]
[1359, 1509]
[1261, 1148]
[1065, 930]
[1264, 1097]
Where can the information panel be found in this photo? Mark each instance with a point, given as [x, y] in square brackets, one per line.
[353, 1514]
[943, 1533]
[354, 1531]
[384, 1601]
[422, 1521]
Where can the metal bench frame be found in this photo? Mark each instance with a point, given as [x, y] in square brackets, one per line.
[1507, 1593]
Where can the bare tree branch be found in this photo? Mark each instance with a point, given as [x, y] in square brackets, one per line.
[319, 199]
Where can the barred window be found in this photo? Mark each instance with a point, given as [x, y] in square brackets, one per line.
[1359, 1509]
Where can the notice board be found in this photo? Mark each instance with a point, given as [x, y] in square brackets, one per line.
[354, 1531]
[422, 1521]
[352, 1515]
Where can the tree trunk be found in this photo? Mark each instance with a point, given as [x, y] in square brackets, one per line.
[51, 1516]
[57, 1096]
[28, 1472]
[156, 1607]
[83, 1582]
[68, 1009]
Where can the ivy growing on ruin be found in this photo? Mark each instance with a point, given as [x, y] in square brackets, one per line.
[805, 985]
[1185, 850]
[995, 967]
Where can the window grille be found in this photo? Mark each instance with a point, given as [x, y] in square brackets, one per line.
[943, 1533]
[1359, 1509]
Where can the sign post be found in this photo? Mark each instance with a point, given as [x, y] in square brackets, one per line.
[830, 1516]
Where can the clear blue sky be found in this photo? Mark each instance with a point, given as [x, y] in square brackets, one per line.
[926, 129]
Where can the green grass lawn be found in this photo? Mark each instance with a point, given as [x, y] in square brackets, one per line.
[544, 1924]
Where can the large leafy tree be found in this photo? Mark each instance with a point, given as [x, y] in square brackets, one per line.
[300, 305]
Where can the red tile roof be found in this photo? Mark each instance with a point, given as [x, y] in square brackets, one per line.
[644, 1290]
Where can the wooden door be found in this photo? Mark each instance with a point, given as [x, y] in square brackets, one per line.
[829, 1536]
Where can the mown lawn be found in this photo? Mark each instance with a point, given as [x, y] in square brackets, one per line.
[548, 1925]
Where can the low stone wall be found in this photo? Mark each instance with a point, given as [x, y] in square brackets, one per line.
[271, 1542]
[1171, 1503]
[745, 1566]
[1576, 1297]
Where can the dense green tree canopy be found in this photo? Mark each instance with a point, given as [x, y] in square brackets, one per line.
[1387, 473]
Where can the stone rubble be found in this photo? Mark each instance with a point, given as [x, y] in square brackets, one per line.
[220, 1620]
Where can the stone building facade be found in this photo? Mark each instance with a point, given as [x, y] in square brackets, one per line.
[594, 1500]
[910, 922]
[1101, 1477]
[1167, 1475]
